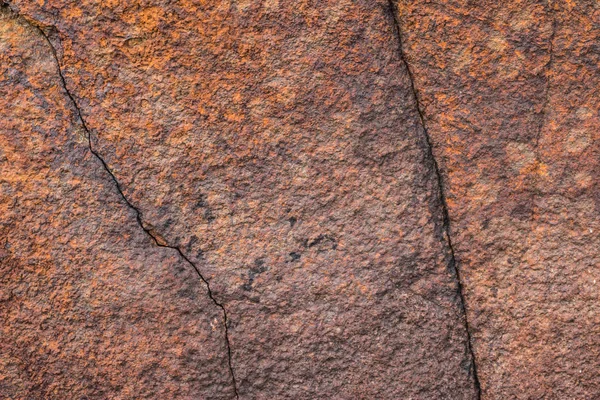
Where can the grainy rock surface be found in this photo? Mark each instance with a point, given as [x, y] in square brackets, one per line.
[279, 147]
[509, 92]
[91, 307]
[275, 199]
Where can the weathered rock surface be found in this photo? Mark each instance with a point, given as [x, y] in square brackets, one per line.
[279, 147]
[239, 199]
[509, 93]
[91, 307]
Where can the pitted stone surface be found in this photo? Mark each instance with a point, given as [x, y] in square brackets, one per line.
[90, 307]
[278, 145]
[285, 151]
[509, 95]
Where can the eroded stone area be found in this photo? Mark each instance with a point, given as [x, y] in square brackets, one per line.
[509, 97]
[279, 147]
[91, 308]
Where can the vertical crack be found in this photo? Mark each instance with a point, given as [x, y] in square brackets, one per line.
[138, 213]
[543, 113]
[547, 68]
[441, 195]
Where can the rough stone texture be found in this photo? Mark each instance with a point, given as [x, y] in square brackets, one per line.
[278, 146]
[90, 307]
[509, 92]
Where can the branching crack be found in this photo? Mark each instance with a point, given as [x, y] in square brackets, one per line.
[441, 195]
[129, 204]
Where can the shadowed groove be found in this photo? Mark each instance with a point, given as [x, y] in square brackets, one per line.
[441, 195]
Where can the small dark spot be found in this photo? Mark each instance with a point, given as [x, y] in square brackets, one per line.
[315, 241]
[293, 221]
[168, 223]
[322, 242]
[467, 366]
[208, 215]
[319, 64]
[259, 268]
[201, 202]
[190, 244]
[247, 286]
[294, 256]
[282, 149]
[179, 268]
[522, 211]
[186, 293]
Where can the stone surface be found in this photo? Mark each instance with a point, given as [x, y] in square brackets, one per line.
[90, 307]
[276, 150]
[509, 92]
[279, 147]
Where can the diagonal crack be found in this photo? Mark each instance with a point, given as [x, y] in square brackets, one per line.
[138, 213]
[441, 196]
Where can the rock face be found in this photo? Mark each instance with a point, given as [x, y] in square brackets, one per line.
[91, 307]
[286, 162]
[273, 199]
[509, 94]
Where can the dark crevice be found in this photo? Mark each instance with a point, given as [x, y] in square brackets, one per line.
[441, 195]
[546, 102]
[543, 114]
[138, 213]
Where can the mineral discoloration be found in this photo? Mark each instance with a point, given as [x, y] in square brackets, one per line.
[91, 308]
[280, 149]
[508, 91]
[389, 199]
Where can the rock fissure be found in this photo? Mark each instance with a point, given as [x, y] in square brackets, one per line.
[547, 69]
[543, 113]
[441, 195]
[127, 202]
